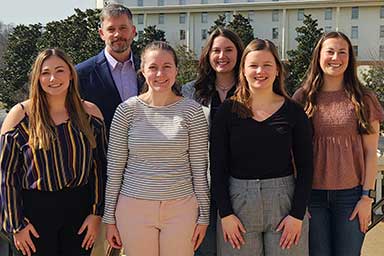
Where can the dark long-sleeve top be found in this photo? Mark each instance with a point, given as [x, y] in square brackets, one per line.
[248, 149]
[69, 162]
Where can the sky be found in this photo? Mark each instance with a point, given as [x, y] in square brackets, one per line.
[43, 11]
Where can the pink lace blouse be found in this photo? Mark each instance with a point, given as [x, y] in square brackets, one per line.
[338, 148]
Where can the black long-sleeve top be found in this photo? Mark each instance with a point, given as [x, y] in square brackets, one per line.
[248, 149]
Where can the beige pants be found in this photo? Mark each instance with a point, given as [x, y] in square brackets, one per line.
[157, 228]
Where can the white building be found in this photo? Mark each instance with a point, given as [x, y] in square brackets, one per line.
[187, 21]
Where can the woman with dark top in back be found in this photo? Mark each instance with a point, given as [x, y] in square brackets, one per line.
[216, 81]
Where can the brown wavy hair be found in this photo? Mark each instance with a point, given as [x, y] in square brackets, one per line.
[41, 125]
[205, 82]
[314, 81]
[242, 104]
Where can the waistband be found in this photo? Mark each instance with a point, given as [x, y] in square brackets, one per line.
[262, 183]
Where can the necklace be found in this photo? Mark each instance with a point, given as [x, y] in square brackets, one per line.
[224, 89]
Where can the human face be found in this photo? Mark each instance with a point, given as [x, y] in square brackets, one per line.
[117, 32]
[159, 70]
[55, 76]
[223, 55]
[334, 57]
[260, 70]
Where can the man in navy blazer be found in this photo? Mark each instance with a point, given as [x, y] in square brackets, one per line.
[109, 78]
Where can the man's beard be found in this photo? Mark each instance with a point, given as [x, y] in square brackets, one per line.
[120, 48]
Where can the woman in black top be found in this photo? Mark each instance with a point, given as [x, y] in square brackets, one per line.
[257, 137]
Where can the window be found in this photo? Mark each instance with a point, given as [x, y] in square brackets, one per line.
[355, 32]
[300, 14]
[204, 34]
[181, 2]
[140, 19]
[381, 31]
[275, 15]
[355, 49]
[161, 18]
[227, 1]
[382, 12]
[228, 16]
[251, 1]
[140, 3]
[328, 14]
[160, 2]
[140, 33]
[204, 17]
[204, 1]
[355, 13]
[275, 33]
[182, 18]
[327, 29]
[251, 16]
[381, 52]
[182, 34]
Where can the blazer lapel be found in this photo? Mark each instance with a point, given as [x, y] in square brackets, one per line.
[102, 70]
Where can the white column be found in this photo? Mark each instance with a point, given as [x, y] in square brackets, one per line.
[188, 28]
[337, 18]
[284, 35]
[145, 20]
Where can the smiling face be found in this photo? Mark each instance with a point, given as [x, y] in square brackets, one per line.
[159, 70]
[223, 55]
[55, 76]
[260, 70]
[334, 57]
[117, 32]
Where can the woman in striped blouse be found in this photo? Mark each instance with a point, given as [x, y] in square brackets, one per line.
[157, 196]
[52, 158]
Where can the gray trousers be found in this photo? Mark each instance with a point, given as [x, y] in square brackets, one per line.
[261, 205]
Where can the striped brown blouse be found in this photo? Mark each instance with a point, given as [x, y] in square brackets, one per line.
[69, 162]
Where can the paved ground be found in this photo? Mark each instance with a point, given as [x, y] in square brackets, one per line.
[374, 242]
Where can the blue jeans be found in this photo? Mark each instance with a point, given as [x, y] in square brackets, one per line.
[331, 233]
[208, 246]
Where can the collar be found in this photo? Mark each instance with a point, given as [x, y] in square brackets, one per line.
[113, 62]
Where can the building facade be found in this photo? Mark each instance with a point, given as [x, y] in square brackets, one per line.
[188, 21]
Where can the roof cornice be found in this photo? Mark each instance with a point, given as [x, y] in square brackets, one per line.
[257, 6]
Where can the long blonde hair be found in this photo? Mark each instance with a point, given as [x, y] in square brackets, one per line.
[41, 125]
[355, 91]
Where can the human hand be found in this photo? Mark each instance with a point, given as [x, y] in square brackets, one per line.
[92, 225]
[233, 230]
[363, 211]
[113, 236]
[291, 228]
[198, 235]
[23, 241]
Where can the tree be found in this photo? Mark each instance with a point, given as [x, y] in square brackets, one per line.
[77, 35]
[150, 34]
[239, 24]
[242, 27]
[18, 58]
[187, 66]
[374, 80]
[300, 58]
[218, 23]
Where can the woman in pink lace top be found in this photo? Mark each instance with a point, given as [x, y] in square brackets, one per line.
[345, 118]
